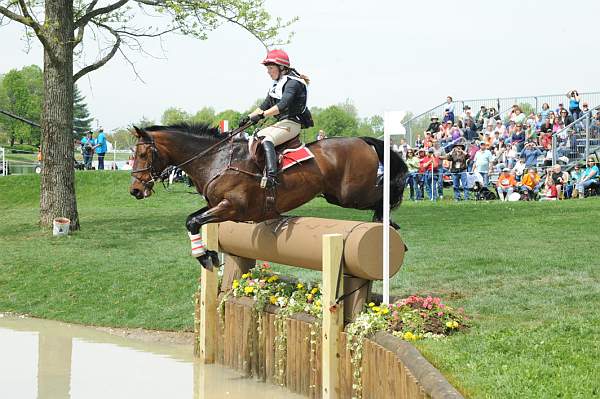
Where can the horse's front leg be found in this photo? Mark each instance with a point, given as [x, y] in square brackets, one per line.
[206, 257]
[191, 227]
[224, 210]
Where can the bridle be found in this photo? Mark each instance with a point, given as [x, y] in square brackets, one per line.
[154, 175]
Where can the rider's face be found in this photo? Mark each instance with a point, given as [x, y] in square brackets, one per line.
[273, 71]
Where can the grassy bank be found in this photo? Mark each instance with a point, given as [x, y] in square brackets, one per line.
[527, 272]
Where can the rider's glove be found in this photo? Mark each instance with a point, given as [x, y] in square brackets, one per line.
[256, 118]
[244, 121]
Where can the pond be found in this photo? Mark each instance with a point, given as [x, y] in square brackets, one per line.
[50, 360]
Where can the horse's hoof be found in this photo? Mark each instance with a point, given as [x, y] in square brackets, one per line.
[214, 257]
[205, 261]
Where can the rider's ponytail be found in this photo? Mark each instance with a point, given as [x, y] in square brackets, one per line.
[301, 76]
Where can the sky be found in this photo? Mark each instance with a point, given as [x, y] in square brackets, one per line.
[381, 55]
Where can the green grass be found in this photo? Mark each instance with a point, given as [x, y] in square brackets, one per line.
[527, 272]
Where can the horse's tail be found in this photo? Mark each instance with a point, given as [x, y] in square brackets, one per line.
[398, 171]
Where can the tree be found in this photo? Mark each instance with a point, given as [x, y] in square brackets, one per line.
[336, 121]
[174, 115]
[527, 108]
[205, 115]
[82, 121]
[22, 92]
[144, 122]
[122, 138]
[64, 26]
[230, 115]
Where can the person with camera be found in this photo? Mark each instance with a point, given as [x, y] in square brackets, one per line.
[458, 158]
[428, 169]
[574, 99]
[88, 144]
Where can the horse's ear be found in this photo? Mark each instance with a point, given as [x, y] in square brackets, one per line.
[137, 132]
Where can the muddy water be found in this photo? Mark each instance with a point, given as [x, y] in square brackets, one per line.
[50, 360]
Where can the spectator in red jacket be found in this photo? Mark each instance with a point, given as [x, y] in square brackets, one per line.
[429, 167]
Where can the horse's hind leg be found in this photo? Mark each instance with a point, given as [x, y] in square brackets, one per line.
[378, 216]
[224, 210]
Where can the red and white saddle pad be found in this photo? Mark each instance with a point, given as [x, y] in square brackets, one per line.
[294, 156]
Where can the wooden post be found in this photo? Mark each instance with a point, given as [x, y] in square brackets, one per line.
[208, 299]
[333, 315]
[358, 291]
[234, 267]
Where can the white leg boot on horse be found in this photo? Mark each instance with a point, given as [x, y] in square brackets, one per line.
[198, 248]
[224, 210]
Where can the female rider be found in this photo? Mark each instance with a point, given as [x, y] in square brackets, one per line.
[286, 101]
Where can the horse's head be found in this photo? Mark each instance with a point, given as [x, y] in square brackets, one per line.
[147, 165]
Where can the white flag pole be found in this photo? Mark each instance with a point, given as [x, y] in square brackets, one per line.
[392, 125]
[386, 217]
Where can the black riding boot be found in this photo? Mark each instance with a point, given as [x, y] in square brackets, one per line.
[271, 163]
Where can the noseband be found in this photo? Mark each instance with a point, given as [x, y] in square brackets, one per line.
[154, 175]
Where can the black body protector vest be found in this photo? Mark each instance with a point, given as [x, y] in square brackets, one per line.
[289, 93]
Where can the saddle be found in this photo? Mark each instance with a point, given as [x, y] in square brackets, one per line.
[257, 153]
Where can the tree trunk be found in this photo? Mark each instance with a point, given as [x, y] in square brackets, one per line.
[57, 194]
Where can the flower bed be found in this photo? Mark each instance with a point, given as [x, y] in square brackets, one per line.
[409, 319]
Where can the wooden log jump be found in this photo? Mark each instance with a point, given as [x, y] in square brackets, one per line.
[298, 242]
[335, 247]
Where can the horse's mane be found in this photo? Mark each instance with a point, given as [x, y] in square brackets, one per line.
[199, 129]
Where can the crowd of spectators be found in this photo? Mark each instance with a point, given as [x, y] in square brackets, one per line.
[511, 158]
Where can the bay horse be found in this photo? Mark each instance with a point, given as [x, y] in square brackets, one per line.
[343, 171]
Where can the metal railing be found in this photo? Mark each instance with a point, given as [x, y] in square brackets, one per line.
[3, 165]
[578, 139]
[418, 124]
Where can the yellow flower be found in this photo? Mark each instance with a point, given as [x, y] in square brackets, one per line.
[249, 290]
[273, 299]
[300, 286]
[376, 309]
[309, 296]
[246, 275]
[408, 336]
[371, 304]
[317, 303]
[235, 284]
[452, 324]
[385, 311]
[272, 279]
[314, 290]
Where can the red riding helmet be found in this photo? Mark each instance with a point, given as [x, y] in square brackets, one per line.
[277, 57]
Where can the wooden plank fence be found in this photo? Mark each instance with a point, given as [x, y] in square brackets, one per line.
[246, 346]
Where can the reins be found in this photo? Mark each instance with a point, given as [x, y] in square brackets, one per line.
[227, 137]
